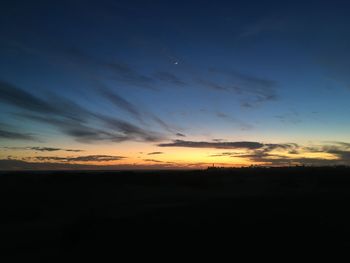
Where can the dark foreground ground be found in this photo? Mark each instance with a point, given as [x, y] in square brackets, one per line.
[77, 216]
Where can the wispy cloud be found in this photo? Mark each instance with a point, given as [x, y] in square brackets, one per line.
[141, 115]
[42, 149]
[154, 153]
[11, 135]
[130, 131]
[275, 154]
[87, 158]
[223, 154]
[214, 145]
[87, 65]
[120, 102]
[263, 26]
[169, 78]
[289, 117]
[253, 89]
[264, 158]
[12, 95]
[152, 160]
[292, 154]
[123, 72]
[243, 125]
[120, 71]
[57, 106]
[254, 148]
[213, 85]
[339, 149]
[72, 119]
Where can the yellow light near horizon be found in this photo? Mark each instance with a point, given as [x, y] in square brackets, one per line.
[138, 154]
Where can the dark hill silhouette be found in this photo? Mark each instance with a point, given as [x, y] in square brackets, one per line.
[77, 216]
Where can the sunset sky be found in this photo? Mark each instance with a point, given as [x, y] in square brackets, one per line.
[173, 84]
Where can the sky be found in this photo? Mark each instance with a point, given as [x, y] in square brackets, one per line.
[173, 84]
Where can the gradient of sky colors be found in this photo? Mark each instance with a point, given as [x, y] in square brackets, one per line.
[173, 84]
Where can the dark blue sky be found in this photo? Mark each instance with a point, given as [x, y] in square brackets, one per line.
[124, 77]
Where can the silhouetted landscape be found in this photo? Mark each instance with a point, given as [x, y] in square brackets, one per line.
[80, 215]
[174, 130]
